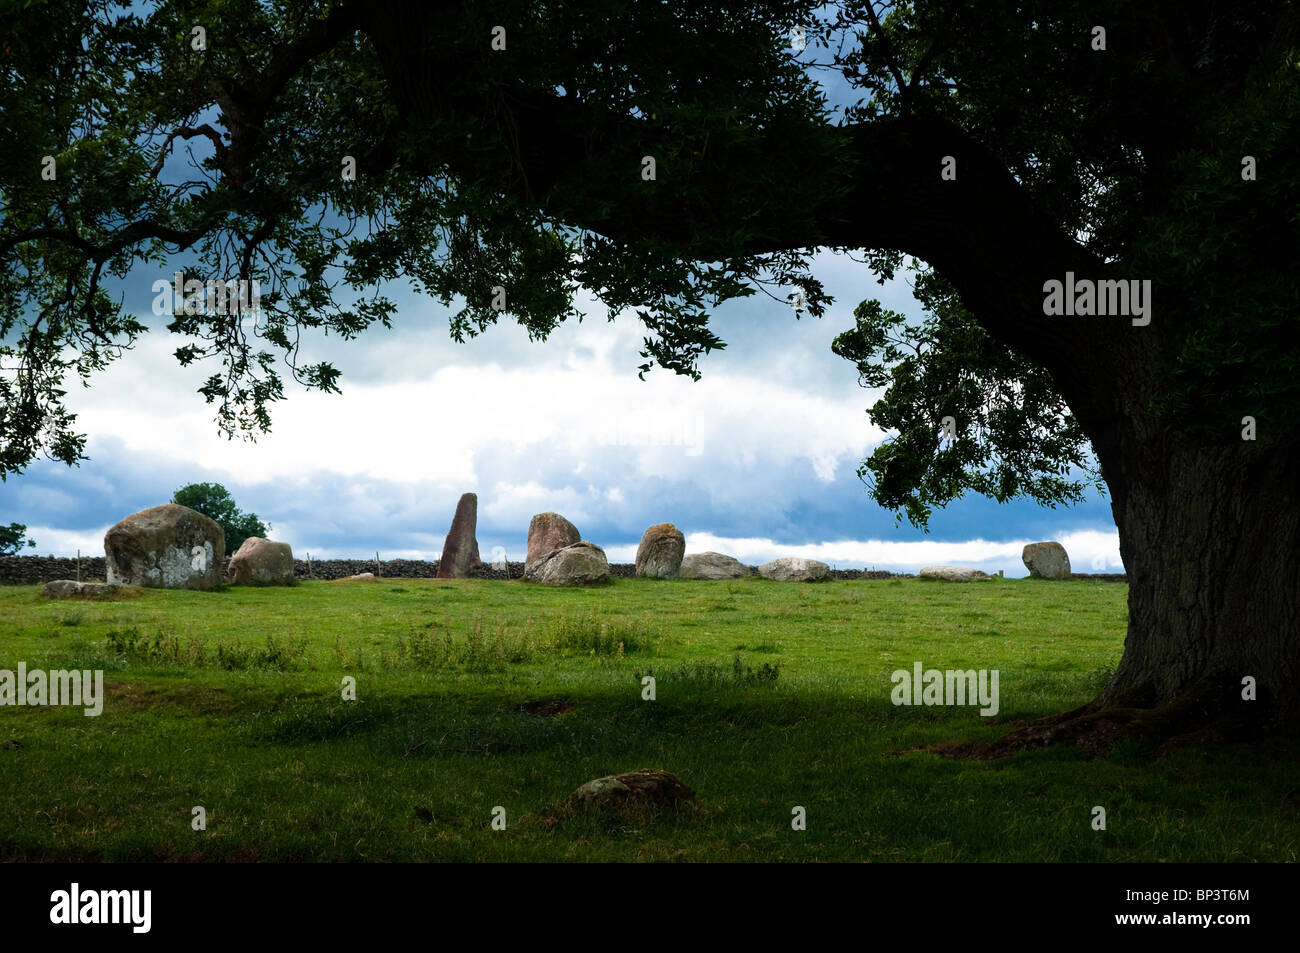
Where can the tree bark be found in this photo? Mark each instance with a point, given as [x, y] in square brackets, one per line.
[1209, 538]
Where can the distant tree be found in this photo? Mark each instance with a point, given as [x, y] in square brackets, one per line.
[12, 538]
[215, 502]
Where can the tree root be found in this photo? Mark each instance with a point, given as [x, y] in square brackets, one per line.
[1198, 718]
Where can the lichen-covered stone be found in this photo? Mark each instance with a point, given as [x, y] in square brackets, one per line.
[166, 547]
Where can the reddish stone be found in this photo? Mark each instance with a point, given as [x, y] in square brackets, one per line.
[660, 554]
[546, 533]
[460, 551]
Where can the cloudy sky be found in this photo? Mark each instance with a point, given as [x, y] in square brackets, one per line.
[758, 459]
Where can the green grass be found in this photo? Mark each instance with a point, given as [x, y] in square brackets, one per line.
[769, 695]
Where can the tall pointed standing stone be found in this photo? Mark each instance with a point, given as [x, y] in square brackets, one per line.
[460, 551]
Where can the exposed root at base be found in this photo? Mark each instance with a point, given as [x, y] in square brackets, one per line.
[1096, 728]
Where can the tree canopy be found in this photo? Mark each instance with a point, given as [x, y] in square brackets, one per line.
[13, 538]
[214, 137]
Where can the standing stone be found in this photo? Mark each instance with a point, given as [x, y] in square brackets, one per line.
[1047, 560]
[260, 561]
[794, 569]
[660, 554]
[166, 547]
[460, 551]
[712, 566]
[582, 564]
[546, 533]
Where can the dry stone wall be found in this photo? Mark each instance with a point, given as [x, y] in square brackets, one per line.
[37, 570]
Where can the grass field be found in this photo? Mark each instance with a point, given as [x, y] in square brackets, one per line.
[478, 694]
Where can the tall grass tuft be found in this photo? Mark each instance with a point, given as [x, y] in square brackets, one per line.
[166, 649]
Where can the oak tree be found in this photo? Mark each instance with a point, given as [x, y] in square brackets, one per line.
[674, 155]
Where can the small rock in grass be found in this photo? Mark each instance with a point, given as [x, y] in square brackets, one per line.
[953, 573]
[71, 589]
[631, 792]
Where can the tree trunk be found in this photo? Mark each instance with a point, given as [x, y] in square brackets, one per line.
[1210, 539]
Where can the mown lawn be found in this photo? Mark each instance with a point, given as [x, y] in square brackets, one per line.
[769, 695]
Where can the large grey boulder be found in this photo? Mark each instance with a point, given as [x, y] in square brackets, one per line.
[660, 554]
[953, 573]
[262, 562]
[712, 566]
[166, 547]
[547, 532]
[460, 551]
[582, 564]
[72, 589]
[794, 569]
[1047, 560]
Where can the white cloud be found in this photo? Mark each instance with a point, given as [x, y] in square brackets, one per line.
[1090, 551]
[51, 541]
[572, 402]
